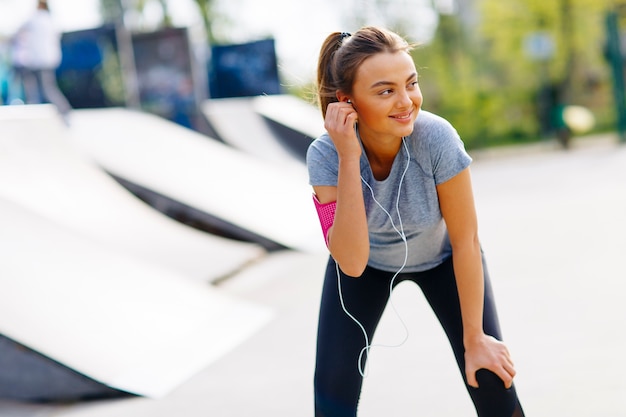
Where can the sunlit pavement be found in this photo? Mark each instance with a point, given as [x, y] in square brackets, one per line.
[553, 228]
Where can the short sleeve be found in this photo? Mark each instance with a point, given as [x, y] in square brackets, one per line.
[322, 162]
[448, 155]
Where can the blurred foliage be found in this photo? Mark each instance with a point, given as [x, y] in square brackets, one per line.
[481, 77]
[207, 11]
[111, 11]
[115, 10]
[111, 77]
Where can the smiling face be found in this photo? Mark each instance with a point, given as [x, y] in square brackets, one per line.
[386, 96]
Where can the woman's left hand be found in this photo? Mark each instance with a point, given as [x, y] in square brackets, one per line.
[486, 352]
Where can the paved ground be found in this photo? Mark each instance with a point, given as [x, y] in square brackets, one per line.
[553, 226]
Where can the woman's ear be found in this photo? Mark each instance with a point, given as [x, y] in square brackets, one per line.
[343, 97]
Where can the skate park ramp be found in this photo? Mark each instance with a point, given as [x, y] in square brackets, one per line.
[242, 192]
[237, 123]
[117, 320]
[273, 127]
[295, 120]
[42, 170]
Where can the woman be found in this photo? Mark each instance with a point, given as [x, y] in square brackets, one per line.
[393, 191]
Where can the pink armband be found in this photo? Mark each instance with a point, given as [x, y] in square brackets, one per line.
[326, 213]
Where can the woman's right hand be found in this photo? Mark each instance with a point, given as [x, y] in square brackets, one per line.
[339, 123]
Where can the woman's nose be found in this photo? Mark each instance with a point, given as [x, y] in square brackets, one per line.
[404, 99]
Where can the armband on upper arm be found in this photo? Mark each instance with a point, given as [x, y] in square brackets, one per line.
[326, 214]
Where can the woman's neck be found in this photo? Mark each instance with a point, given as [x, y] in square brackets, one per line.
[381, 154]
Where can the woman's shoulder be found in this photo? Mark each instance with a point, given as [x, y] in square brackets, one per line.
[321, 148]
[323, 138]
[322, 143]
[431, 129]
[437, 144]
[322, 161]
[428, 122]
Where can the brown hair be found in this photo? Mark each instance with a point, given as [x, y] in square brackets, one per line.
[342, 54]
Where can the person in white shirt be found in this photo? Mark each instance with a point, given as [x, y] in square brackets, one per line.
[35, 56]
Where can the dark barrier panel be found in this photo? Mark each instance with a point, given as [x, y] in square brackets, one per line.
[244, 70]
[26, 375]
[165, 74]
[90, 73]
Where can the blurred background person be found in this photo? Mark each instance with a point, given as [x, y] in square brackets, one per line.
[35, 56]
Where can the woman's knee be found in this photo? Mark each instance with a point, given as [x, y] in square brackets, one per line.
[491, 398]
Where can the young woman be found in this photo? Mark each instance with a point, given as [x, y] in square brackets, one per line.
[393, 191]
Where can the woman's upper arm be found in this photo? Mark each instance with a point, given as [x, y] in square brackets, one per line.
[456, 201]
[325, 194]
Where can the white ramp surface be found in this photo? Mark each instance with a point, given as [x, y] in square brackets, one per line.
[239, 125]
[42, 169]
[292, 112]
[123, 322]
[268, 199]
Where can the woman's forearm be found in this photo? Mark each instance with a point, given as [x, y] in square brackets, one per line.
[470, 283]
[348, 237]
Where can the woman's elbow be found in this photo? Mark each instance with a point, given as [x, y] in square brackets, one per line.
[353, 267]
[352, 257]
[354, 271]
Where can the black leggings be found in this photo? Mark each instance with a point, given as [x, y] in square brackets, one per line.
[340, 340]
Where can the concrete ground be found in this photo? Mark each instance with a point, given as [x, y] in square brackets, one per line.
[553, 227]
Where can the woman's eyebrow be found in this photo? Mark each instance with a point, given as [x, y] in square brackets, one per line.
[385, 83]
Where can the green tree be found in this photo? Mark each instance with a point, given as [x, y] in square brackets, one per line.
[460, 84]
[576, 30]
[113, 11]
[207, 11]
[481, 77]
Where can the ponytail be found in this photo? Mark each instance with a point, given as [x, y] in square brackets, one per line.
[326, 84]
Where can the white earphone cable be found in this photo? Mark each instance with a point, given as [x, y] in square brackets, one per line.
[363, 370]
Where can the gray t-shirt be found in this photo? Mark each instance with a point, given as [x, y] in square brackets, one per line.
[437, 154]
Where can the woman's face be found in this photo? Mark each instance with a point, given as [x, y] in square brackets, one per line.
[386, 96]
